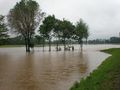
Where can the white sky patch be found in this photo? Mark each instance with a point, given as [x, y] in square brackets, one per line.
[102, 16]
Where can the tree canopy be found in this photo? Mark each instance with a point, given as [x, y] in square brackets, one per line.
[3, 29]
[24, 18]
[47, 27]
[81, 32]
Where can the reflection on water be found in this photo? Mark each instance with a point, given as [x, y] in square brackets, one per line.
[45, 70]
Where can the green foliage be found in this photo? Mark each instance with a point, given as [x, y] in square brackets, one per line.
[67, 29]
[38, 39]
[58, 28]
[63, 30]
[24, 18]
[18, 40]
[3, 28]
[81, 30]
[47, 26]
[106, 77]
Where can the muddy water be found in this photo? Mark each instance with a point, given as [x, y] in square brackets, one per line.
[47, 70]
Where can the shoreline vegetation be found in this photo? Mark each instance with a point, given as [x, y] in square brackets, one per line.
[105, 77]
[14, 46]
[11, 46]
[40, 45]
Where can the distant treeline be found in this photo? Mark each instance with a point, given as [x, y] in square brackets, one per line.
[112, 40]
[37, 40]
[19, 40]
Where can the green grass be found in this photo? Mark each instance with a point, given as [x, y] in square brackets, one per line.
[105, 77]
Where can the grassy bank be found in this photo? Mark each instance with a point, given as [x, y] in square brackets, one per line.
[106, 77]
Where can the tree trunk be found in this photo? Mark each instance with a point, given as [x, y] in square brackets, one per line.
[29, 44]
[64, 43]
[81, 47]
[27, 38]
[57, 45]
[86, 41]
[81, 44]
[26, 44]
[49, 44]
[43, 44]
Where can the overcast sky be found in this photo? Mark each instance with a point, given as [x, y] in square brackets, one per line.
[102, 16]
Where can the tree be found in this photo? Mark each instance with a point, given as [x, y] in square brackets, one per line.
[24, 18]
[3, 30]
[38, 39]
[81, 32]
[86, 35]
[47, 27]
[43, 34]
[67, 31]
[18, 40]
[58, 32]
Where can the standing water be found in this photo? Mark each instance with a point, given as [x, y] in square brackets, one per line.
[47, 70]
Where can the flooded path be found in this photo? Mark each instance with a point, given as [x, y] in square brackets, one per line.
[47, 70]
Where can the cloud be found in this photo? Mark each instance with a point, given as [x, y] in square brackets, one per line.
[102, 16]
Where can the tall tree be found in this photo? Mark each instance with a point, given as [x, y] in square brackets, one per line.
[3, 30]
[86, 35]
[47, 27]
[24, 18]
[67, 31]
[58, 32]
[43, 34]
[81, 32]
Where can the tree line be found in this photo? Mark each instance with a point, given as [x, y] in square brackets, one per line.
[111, 40]
[26, 16]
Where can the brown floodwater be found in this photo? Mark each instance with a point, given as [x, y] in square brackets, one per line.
[47, 70]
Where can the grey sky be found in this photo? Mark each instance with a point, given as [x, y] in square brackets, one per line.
[102, 16]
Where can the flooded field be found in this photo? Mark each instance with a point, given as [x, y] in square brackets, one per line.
[47, 70]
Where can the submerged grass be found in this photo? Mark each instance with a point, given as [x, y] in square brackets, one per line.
[105, 77]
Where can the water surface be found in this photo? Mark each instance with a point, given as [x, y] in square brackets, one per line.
[47, 70]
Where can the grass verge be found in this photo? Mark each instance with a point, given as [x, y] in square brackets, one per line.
[105, 77]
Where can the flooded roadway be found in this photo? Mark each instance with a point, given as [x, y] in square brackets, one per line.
[47, 70]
